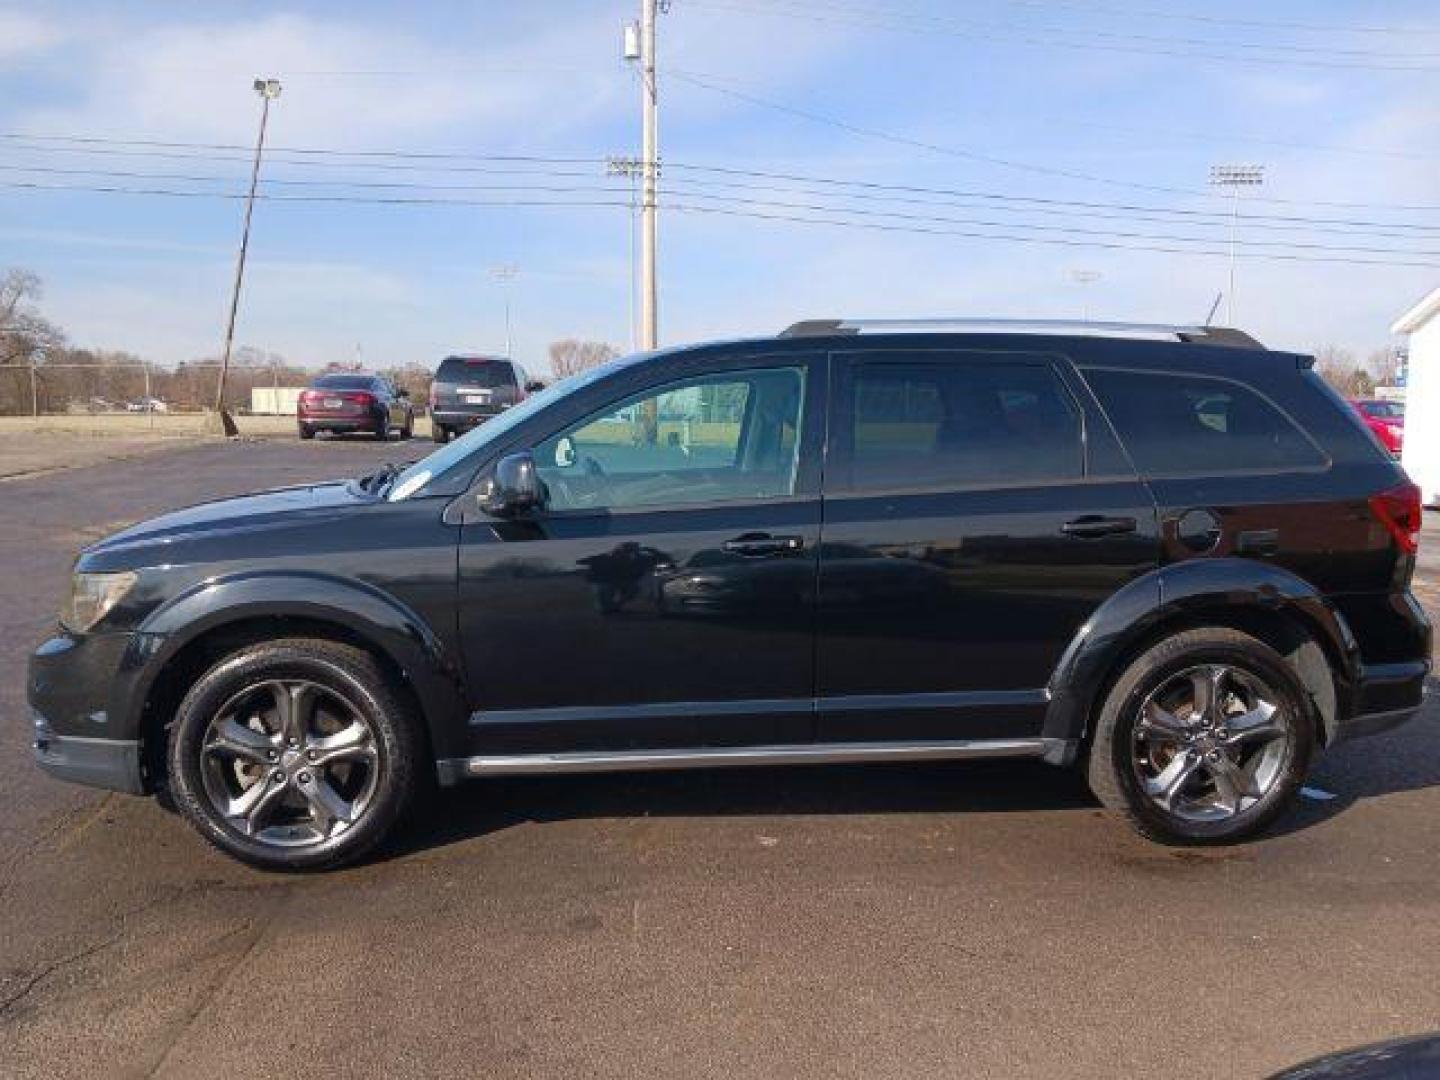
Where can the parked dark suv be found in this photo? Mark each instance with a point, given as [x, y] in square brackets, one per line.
[1169, 557]
[468, 390]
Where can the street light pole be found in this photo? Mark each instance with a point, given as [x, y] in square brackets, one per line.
[1235, 177]
[506, 274]
[269, 90]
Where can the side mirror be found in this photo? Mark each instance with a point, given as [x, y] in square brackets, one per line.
[534, 386]
[515, 487]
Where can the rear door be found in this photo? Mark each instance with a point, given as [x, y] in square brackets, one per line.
[977, 511]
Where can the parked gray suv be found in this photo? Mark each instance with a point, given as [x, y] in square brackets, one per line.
[468, 390]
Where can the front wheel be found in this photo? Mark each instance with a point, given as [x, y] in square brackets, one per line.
[293, 755]
[1205, 738]
[408, 430]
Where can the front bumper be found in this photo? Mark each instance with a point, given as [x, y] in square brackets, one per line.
[76, 736]
[103, 763]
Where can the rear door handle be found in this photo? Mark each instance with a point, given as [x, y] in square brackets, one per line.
[756, 544]
[1093, 526]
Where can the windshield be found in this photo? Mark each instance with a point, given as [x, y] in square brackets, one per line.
[421, 475]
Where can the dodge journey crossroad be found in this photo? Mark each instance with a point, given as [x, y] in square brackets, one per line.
[1166, 556]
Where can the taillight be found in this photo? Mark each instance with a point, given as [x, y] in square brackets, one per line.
[1399, 509]
[360, 397]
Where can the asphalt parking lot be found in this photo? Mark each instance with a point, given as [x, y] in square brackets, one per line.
[976, 919]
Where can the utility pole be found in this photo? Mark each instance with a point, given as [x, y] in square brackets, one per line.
[629, 168]
[1235, 177]
[269, 90]
[643, 50]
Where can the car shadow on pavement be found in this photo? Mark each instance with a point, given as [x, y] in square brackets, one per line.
[478, 808]
[1396, 762]
[1407, 759]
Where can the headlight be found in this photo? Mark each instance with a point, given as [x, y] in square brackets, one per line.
[91, 598]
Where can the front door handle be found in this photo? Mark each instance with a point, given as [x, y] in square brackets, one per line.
[1093, 526]
[756, 544]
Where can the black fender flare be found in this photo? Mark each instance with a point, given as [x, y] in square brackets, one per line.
[1182, 592]
[375, 617]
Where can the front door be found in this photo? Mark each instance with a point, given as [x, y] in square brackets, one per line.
[664, 597]
[977, 511]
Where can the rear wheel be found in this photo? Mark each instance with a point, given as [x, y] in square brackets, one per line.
[293, 755]
[439, 432]
[306, 431]
[1205, 738]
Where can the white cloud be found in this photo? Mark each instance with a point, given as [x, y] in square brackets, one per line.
[22, 34]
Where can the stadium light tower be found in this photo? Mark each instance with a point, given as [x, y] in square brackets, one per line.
[269, 90]
[1235, 177]
[1085, 278]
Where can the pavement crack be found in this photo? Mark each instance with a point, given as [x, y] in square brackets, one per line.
[49, 969]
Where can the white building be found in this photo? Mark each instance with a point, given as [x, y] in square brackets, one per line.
[274, 400]
[1421, 455]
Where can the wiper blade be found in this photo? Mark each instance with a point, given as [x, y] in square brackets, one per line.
[381, 478]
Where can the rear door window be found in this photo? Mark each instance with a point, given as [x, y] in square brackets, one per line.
[1173, 423]
[959, 421]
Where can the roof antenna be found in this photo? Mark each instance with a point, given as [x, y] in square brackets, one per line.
[1213, 308]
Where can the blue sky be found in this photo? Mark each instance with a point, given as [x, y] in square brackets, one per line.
[1105, 103]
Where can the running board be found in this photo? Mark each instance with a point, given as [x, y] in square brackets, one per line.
[456, 769]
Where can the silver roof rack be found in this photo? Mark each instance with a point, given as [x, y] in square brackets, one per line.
[1204, 335]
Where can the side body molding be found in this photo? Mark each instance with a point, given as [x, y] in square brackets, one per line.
[1192, 591]
[377, 618]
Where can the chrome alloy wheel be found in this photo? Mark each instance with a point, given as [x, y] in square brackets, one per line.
[289, 762]
[1210, 742]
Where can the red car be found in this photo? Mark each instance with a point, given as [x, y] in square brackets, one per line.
[1386, 419]
[354, 402]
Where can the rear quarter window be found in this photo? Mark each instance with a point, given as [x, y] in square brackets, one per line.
[1187, 423]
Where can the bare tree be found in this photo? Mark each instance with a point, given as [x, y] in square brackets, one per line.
[25, 336]
[1337, 366]
[1384, 365]
[571, 357]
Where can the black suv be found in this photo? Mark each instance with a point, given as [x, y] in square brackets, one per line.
[1165, 555]
[469, 390]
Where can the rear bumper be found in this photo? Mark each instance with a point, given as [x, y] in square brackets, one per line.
[333, 423]
[1387, 696]
[469, 418]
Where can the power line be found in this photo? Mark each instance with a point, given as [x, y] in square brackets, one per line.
[528, 164]
[1052, 241]
[703, 81]
[1102, 41]
[1220, 20]
[806, 186]
[779, 211]
[964, 25]
[1040, 200]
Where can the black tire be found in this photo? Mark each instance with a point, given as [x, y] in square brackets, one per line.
[408, 431]
[382, 430]
[306, 431]
[439, 432]
[343, 670]
[1114, 774]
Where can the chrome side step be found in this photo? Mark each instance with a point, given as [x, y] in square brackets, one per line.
[455, 769]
